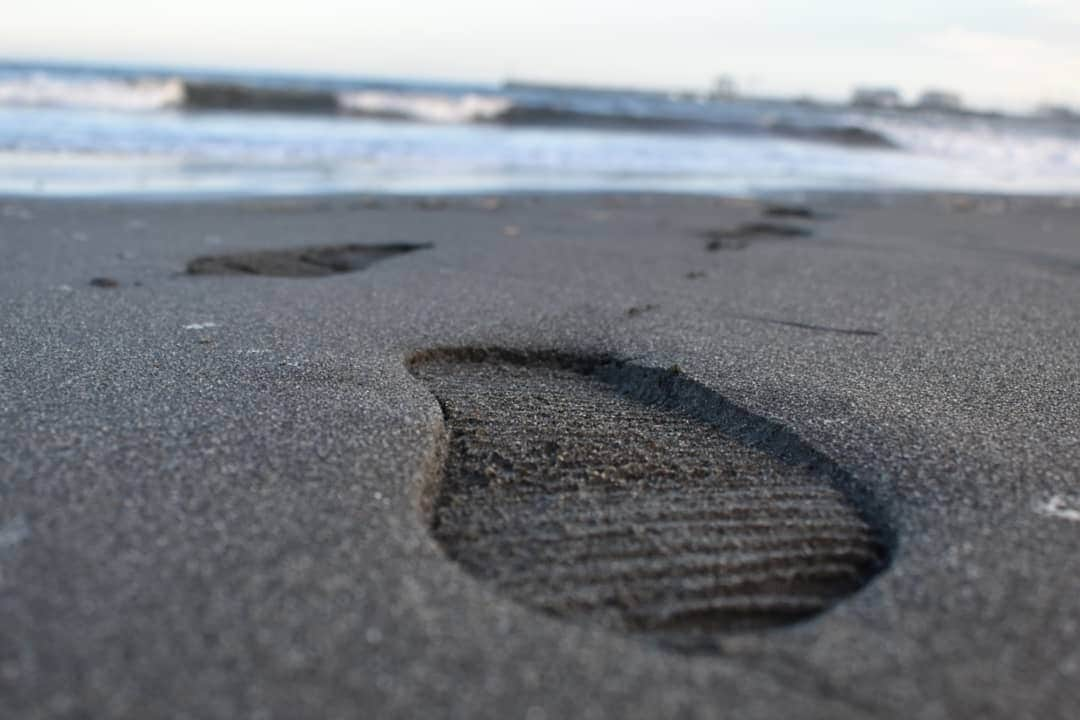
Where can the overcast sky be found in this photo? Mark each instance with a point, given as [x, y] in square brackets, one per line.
[1007, 53]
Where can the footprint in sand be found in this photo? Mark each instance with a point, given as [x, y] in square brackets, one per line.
[740, 236]
[638, 499]
[310, 261]
[801, 212]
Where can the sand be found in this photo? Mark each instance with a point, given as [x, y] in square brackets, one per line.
[217, 492]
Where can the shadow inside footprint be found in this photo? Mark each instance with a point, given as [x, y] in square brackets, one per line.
[638, 499]
[741, 236]
[801, 212]
[310, 261]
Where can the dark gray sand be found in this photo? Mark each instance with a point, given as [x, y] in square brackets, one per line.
[217, 492]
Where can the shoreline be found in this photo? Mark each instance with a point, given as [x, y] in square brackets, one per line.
[962, 199]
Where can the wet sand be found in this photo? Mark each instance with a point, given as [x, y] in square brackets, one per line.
[232, 495]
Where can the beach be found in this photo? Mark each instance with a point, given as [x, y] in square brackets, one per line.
[217, 488]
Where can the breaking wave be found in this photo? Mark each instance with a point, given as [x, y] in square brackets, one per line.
[541, 116]
[424, 107]
[49, 90]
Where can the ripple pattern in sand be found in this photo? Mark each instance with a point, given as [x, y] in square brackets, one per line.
[638, 499]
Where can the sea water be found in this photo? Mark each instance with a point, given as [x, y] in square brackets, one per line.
[70, 130]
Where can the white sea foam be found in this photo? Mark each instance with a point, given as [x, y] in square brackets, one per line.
[432, 108]
[50, 90]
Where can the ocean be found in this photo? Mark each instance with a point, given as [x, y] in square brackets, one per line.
[69, 130]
